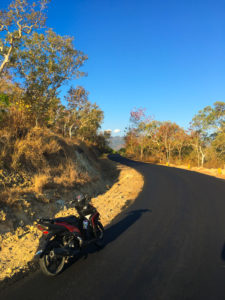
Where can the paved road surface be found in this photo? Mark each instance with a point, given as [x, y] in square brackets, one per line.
[169, 245]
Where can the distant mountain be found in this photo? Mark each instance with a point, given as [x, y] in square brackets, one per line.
[116, 142]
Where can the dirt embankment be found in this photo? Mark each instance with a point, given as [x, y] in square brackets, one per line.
[40, 169]
[19, 246]
[219, 173]
[215, 172]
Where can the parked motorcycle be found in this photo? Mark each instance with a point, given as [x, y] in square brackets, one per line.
[65, 237]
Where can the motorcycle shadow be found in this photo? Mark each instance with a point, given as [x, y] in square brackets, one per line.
[112, 232]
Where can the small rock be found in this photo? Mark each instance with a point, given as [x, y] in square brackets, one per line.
[60, 203]
[21, 223]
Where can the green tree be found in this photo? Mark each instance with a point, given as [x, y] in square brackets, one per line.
[102, 141]
[139, 120]
[21, 18]
[131, 141]
[211, 119]
[168, 136]
[45, 63]
[83, 117]
[206, 126]
[181, 141]
[154, 144]
[219, 145]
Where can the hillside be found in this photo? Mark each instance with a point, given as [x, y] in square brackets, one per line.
[116, 142]
[39, 170]
[40, 173]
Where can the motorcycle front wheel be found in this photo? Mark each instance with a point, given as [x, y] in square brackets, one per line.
[50, 263]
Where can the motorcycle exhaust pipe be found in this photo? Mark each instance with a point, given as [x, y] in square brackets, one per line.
[65, 252]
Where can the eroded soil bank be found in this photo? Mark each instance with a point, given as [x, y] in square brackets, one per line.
[219, 173]
[215, 172]
[18, 247]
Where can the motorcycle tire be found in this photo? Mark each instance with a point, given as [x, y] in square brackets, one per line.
[100, 235]
[52, 265]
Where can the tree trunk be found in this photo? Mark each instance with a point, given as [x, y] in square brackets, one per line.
[6, 59]
[169, 152]
[198, 156]
[36, 122]
[167, 155]
[198, 159]
[64, 129]
[70, 131]
[179, 151]
[203, 157]
[142, 149]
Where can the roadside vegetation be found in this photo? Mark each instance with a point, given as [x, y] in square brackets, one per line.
[202, 145]
[48, 145]
[50, 148]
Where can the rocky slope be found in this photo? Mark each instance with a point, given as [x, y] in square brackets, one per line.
[39, 175]
[18, 247]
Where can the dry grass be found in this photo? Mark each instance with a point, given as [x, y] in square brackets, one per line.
[4, 196]
[39, 182]
[10, 196]
[70, 176]
[32, 152]
[44, 161]
[6, 148]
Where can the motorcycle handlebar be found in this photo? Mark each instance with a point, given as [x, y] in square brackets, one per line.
[43, 220]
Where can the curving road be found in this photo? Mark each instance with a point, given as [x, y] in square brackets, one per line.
[168, 245]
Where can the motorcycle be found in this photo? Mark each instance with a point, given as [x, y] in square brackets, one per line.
[66, 237]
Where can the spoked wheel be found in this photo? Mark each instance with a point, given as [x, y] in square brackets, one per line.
[50, 263]
[100, 235]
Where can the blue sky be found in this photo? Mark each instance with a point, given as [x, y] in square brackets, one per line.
[165, 55]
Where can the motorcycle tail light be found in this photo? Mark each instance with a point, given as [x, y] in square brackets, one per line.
[43, 229]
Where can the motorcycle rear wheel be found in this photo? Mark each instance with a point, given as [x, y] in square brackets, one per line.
[52, 265]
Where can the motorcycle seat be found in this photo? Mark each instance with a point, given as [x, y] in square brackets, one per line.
[69, 220]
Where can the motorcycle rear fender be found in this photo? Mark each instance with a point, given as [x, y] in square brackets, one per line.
[94, 219]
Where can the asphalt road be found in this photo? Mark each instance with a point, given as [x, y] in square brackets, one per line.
[170, 244]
